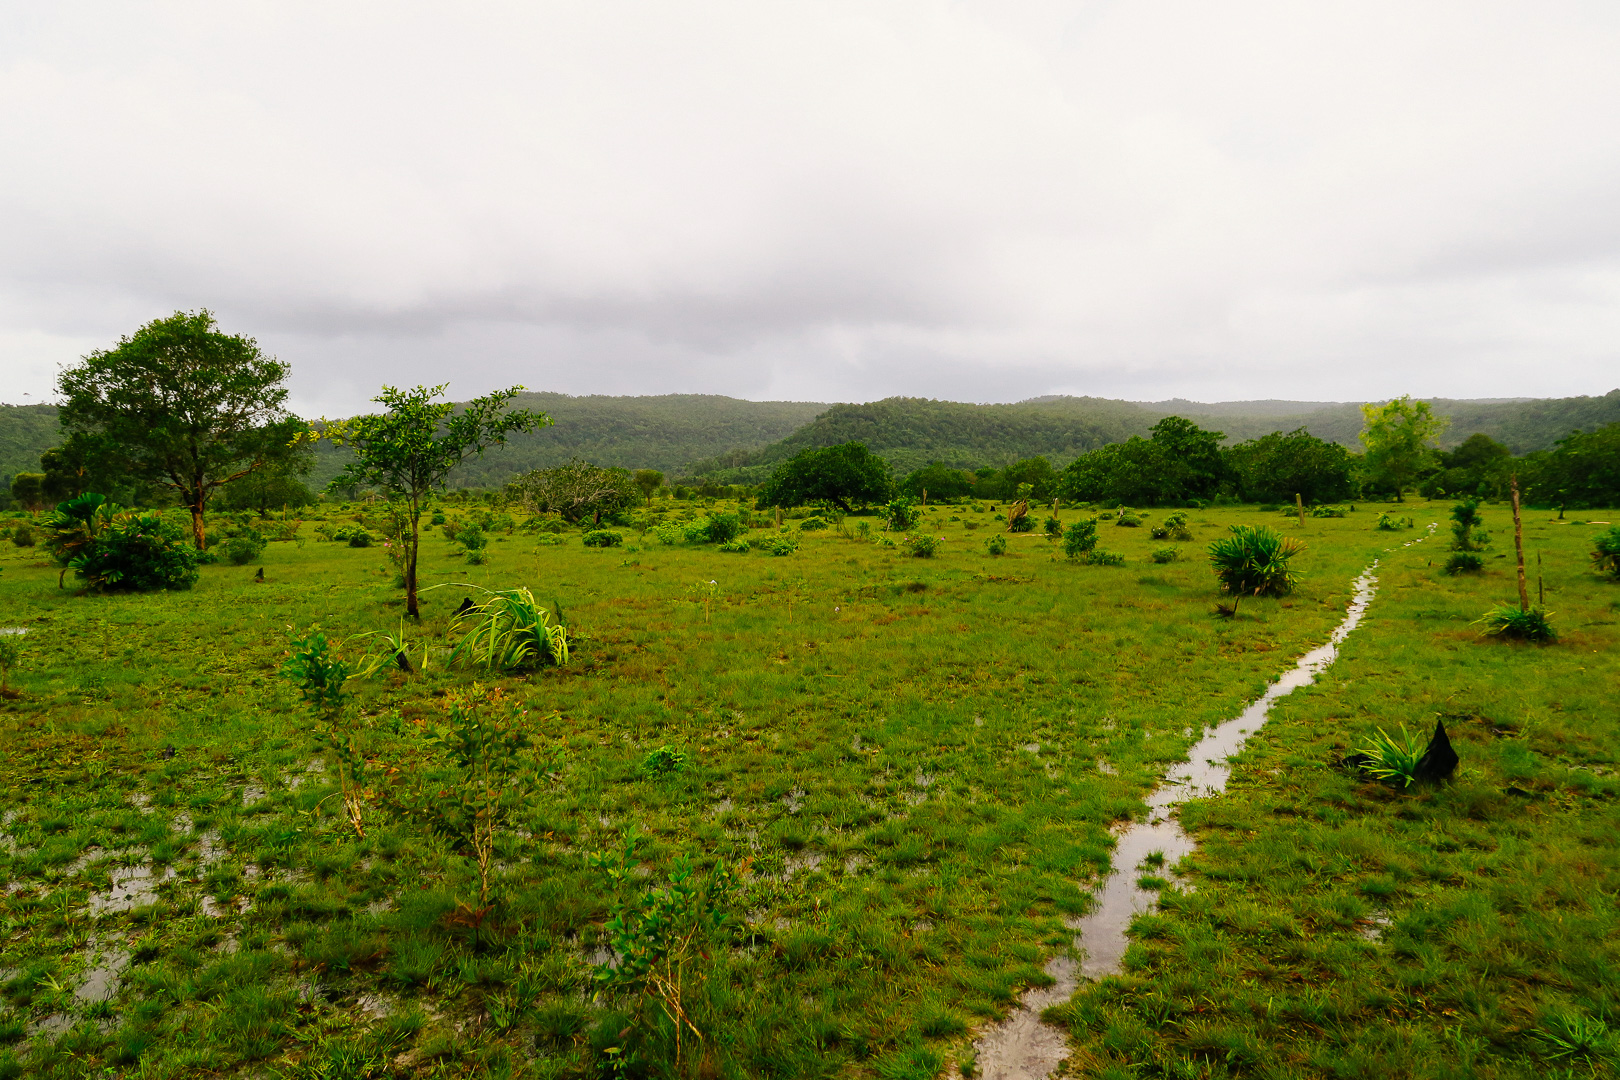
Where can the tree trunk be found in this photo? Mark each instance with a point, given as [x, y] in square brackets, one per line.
[410, 542]
[1518, 542]
[198, 500]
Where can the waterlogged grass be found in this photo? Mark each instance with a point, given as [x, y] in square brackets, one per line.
[1344, 928]
[918, 760]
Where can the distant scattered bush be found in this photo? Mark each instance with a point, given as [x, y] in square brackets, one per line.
[472, 538]
[1080, 538]
[1054, 527]
[1166, 555]
[602, 538]
[668, 533]
[549, 540]
[244, 549]
[724, 528]
[922, 547]
[23, 535]
[734, 545]
[1464, 562]
[436, 519]
[1331, 510]
[1128, 520]
[1606, 553]
[1393, 523]
[1103, 557]
[1173, 527]
[474, 557]
[996, 545]
[812, 524]
[882, 542]
[899, 515]
[779, 545]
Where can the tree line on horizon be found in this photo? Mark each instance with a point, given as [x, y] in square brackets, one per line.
[182, 413]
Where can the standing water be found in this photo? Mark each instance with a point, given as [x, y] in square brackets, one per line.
[1021, 1047]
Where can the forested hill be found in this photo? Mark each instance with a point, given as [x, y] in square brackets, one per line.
[26, 431]
[910, 432]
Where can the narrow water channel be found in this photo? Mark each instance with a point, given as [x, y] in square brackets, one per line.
[1021, 1047]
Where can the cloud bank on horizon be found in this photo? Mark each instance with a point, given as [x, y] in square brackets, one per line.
[825, 201]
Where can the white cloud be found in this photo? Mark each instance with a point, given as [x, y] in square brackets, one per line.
[829, 200]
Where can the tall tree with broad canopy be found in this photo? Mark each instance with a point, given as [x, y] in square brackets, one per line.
[181, 405]
[578, 489]
[842, 475]
[411, 449]
[1276, 467]
[1401, 438]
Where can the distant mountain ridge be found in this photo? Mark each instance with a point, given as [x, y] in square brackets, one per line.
[738, 440]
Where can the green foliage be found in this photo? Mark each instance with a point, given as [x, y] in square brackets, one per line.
[1464, 562]
[648, 481]
[412, 447]
[996, 545]
[318, 674]
[603, 538]
[277, 486]
[1530, 624]
[356, 538]
[11, 643]
[782, 544]
[1102, 557]
[1276, 467]
[74, 526]
[1568, 1036]
[1606, 552]
[1254, 561]
[724, 528]
[900, 514]
[1181, 461]
[1478, 468]
[475, 556]
[1166, 555]
[1054, 528]
[1328, 510]
[813, 523]
[244, 548]
[1393, 523]
[28, 488]
[181, 405]
[662, 762]
[509, 631]
[1128, 519]
[471, 537]
[136, 552]
[22, 535]
[920, 546]
[1583, 470]
[941, 482]
[734, 546]
[1400, 437]
[1080, 538]
[841, 475]
[579, 490]
[1390, 759]
[1465, 518]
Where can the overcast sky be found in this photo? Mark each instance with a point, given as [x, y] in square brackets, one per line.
[825, 201]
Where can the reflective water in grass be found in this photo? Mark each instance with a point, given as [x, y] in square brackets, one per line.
[1022, 1046]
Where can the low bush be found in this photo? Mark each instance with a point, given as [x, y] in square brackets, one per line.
[23, 535]
[922, 547]
[241, 550]
[724, 528]
[1606, 552]
[1393, 523]
[602, 538]
[472, 556]
[1080, 538]
[1104, 557]
[509, 631]
[779, 545]
[996, 545]
[1128, 519]
[1254, 561]
[1054, 527]
[138, 553]
[812, 524]
[1464, 562]
[899, 515]
[1166, 555]
[1328, 511]
[472, 538]
[734, 545]
[1531, 624]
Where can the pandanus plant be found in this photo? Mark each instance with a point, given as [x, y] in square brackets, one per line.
[509, 630]
[1254, 561]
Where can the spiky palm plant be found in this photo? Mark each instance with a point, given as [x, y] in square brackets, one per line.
[1526, 624]
[1253, 561]
[509, 630]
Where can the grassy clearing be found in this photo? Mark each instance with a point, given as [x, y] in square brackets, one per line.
[914, 762]
[1347, 929]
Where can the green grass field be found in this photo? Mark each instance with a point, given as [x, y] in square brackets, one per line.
[914, 762]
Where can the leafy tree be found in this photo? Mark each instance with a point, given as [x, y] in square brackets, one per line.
[410, 449]
[272, 488]
[1400, 437]
[1194, 465]
[577, 490]
[649, 481]
[1478, 468]
[1276, 467]
[28, 488]
[183, 406]
[941, 482]
[841, 475]
[1582, 471]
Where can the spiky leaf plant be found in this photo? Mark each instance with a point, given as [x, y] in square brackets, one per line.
[1254, 561]
[508, 631]
[1528, 624]
[1391, 759]
[1464, 562]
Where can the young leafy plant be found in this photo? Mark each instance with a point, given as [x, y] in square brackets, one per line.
[1465, 518]
[1254, 561]
[1523, 624]
[662, 762]
[1080, 538]
[1390, 759]
[996, 545]
[320, 677]
[509, 631]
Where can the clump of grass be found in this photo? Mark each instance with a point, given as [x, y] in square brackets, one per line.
[1464, 562]
[1570, 1036]
[1166, 555]
[662, 762]
[1522, 624]
[509, 631]
[1104, 557]
[1391, 759]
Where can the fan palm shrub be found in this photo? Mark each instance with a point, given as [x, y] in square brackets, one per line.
[1525, 624]
[1606, 552]
[1254, 561]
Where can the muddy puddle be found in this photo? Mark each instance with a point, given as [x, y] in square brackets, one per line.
[1022, 1047]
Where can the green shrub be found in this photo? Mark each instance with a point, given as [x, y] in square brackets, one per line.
[922, 547]
[779, 545]
[1328, 511]
[437, 518]
[1022, 524]
[1464, 562]
[1606, 552]
[244, 549]
[1392, 760]
[996, 545]
[472, 556]
[1465, 519]
[1507, 621]
[1080, 538]
[1166, 555]
[23, 535]
[602, 538]
[1254, 561]
[1128, 519]
[509, 631]
[472, 538]
[899, 515]
[1392, 523]
[724, 528]
[138, 553]
[1103, 557]
[734, 545]
[668, 533]
[662, 762]
[811, 524]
